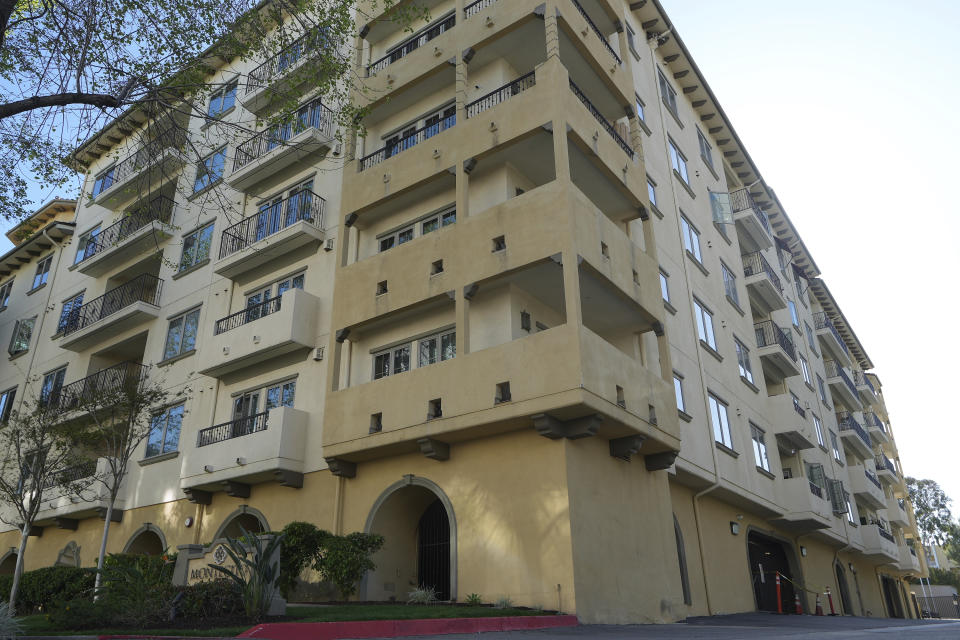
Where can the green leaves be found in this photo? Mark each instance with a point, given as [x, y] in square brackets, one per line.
[254, 570]
[931, 507]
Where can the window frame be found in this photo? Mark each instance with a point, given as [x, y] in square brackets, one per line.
[16, 333]
[835, 447]
[43, 272]
[665, 286]
[182, 318]
[166, 414]
[678, 162]
[652, 192]
[704, 318]
[720, 421]
[203, 180]
[7, 399]
[706, 149]
[818, 429]
[219, 95]
[83, 243]
[6, 292]
[391, 362]
[805, 369]
[417, 228]
[98, 181]
[729, 282]
[691, 239]
[56, 378]
[667, 93]
[678, 392]
[760, 453]
[794, 316]
[69, 308]
[641, 108]
[743, 360]
[195, 235]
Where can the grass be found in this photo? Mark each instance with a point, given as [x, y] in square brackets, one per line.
[39, 625]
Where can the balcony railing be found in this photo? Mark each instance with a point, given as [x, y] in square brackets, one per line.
[171, 138]
[143, 288]
[848, 423]
[73, 473]
[823, 322]
[755, 263]
[816, 490]
[796, 407]
[902, 504]
[125, 375]
[596, 30]
[769, 334]
[886, 534]
[863, 381]
[413, 43]
[885, 463]
[303, 206]
[502, 94]
[603, 121]
[420, 135]
[248, 315]
[476, 7]
[311, 116]
[836, 371]
[304, 46]
[873, 421]
[160, 209]
[233, 429]
[741, 200]
[872, 477]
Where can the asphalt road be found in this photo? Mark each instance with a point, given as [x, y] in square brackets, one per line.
[735, 627]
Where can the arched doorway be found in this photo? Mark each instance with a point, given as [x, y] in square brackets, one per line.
[846, 604]
[9, 564]
[891, 597]
[416, 520]
[245, 518]
[148, 541]
[768, 557]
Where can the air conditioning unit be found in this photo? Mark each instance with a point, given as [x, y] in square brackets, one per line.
[318, 353]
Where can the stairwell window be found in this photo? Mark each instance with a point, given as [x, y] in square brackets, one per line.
[691, 239]
[793, 313]
[743, 361]
[22, 333]
[210, 169]
[678, 392]
[835, 447]
[720, 421]
[103, 181]
[69, 313]
[164, 436]
[668, 94]
[679, 163]
[87, 245]
[706, 151]
[196, 247]
[182, 334]
[665, 286]
[52, 384]
[759, 447]
[818, 428]
[43, 272]
[805, 366]
[730, 284]
[705, 325]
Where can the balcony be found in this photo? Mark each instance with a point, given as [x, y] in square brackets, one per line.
[604, 123]
[897, 511]
[276, 148]
[132, 303]
[475, 7]
[502, 94]
[273, 232]
[806, 506]
[875, 427]
[412, 43]
[776, 350]
[138, 231]
[831, 340]
[886, 470]
[407, 142]
[854, 435]
[763, 283]
[879, 544]
[867, 391]
[157, 161]
[791, 426]
[63, 508]
[597, 32]
[260, 333]
[105, 381]
[841, 386]
[908, 559]
[753, 227]
[284, 73]
[866, 487]
[266, 447]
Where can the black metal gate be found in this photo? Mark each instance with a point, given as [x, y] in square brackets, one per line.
[433, 550]
[767, 559]
[845, 602]
[891, 597]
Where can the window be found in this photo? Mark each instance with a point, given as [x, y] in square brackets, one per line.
[668, 94]
[705, 325]
[851, 518]
[835, 446]
[103, 181]
[437, 348]
[810, 339]
[632, 41]
[391, 362]
[257, 302]
[281, 394]
[818, 428]
[743, 361]
[396, 238]
[5, 290]
[678, 392]
[706, 151]
[196, 247]
[435, 222]
[793, 313]
[87, 245]
[721, 422]
[641, 109]
[407, 233]
[182, 334]
[222, 100]
[679, 163]
[22, 332]
[759, 447]
[806, 370]
[70, 313]
[164, 436]
[210, 169]
[43, 271]
[6, 404]
[691, 239]
[664, 286]
[823, 390]
[429, 350]
[730, 283]
[52, 384]
[652, 192]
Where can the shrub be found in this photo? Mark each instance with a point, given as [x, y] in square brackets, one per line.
[207, 600]
[299, 550]
[155, 571]
[253, 572]
[344, 559]
[9, 626]
[81, 613]
[422, 595]
[503, 603]
[474, 599]
[40, 587]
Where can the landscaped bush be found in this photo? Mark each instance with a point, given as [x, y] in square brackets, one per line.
[40, 587]
[155, 570]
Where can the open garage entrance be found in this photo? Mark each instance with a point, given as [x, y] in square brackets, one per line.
[768, 557]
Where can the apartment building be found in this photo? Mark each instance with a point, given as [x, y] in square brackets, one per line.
[544, 326]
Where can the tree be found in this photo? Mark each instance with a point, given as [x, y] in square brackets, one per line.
[41, 462]
[68, 68]
[931, 508]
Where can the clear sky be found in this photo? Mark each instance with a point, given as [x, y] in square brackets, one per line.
[848, 108]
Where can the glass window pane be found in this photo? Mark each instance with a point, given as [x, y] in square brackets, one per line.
[401, 359]
[430, 225]
[381, 366]
[174, 421]
[448, 218]
[190, 331]
[187, 258]
[298, 281]
[448, 346]
[428, 351]
[154, 439]
[289, 393]
[174, 335]
[273, 397]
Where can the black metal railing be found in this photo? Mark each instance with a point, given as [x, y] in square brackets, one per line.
[172, 138]
[413, 43]
[286, 59]
[126, 375]
[502, 94]
[848, 423]
[476, 7]
[912, 551]
[313, 115]
[303, 206]
[863, 381]
[160, 209]
[233, 429]
[796, 407]
[872, 477]
[873, 422]
[884, 464]
[143, 288]
[603, 121]
[248, 315]
[741, 200]
[902, 504]
[769, 334]
[411, 140]
[834, 370]
[73, 473]
[886, 534]
[821, 320]
[597, 31]
[815, 490]
[755, 263]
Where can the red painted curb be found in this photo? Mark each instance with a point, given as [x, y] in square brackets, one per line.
[400, 628]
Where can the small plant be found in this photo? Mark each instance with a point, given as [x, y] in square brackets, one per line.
[474, 599]
[254, 576]
[9, 626]
[422, 595]
[503, 603]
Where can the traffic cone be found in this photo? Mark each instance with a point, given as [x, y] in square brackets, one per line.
[796, 601]
[833, 611]
[819, 607]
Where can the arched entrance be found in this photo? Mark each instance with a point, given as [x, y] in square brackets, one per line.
[148, 541]
[416, 520]
[891, 597]
[768, 557]
[9, 564]
[244, 518]
[846, 604]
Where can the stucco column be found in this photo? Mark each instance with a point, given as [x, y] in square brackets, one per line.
[552, 30]
[663, 350]
[571, 286]
[463, 322]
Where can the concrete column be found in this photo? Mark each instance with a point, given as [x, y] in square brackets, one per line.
[552, 31]
[571, 287]
[666, 360]
[463, 322]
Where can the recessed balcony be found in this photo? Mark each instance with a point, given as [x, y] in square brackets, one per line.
[266, 447]
[87, 497]
[411, 44]
[866, 487]
[831, 340]
[897, 511]
[408, 141]
[777, 352]
[807, 507]
[753, 227]
[132, 303]
[276, 148]
[285, 73]
[908, 559]
[138, 231]
[886, 470]
[791, 425]
[156, 162]
[841, 386]
[854, 435]
[275, 231]
[275, 328]
[867, 391]
[879, 543]
[69, 399]
[875, 427]
[763, 284]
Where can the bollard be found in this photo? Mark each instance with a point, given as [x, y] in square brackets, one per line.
[796, 602]
[779, 599]
[819, 606]
[833, 611]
